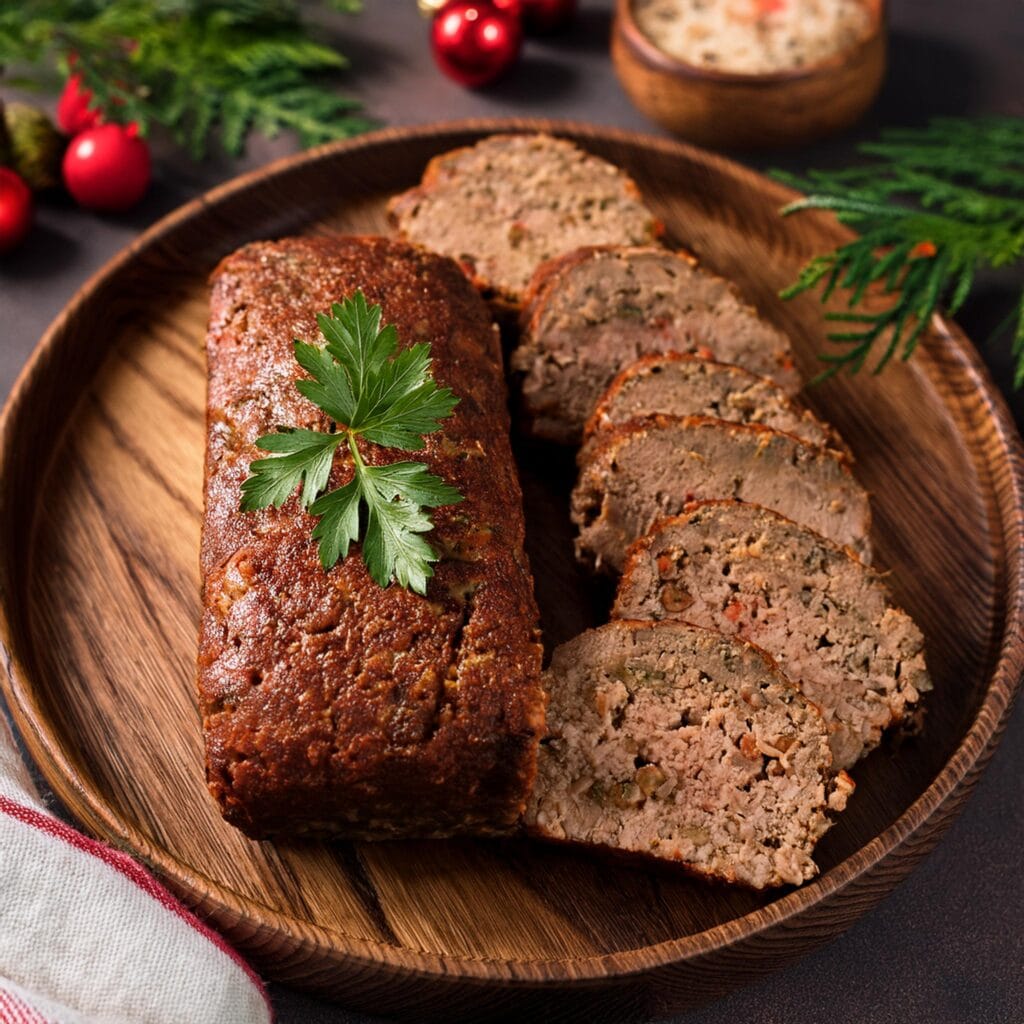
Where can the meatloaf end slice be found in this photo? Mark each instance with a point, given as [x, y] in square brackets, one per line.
[593, 312]
[650, 468]
[510, 202]
[679, 384]
[680, 744]
[828, 620]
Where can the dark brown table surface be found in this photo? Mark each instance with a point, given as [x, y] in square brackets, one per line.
[948, 945]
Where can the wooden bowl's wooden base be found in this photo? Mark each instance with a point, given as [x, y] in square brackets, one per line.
[102, 449]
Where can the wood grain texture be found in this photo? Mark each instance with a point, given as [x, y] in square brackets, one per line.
[730, 110]
[101, 456]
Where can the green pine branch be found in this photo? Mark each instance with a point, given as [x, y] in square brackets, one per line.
[199, 68]
[935, 206]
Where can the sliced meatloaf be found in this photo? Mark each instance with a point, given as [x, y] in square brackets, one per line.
[646, 469]
[591, 313]
[331, 705]
[681, 744]
[686, 385]
[510, 202]
[828, 620]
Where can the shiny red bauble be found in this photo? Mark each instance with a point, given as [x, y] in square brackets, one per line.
[73, 113]
[15, 209]
[475, 41]
[107, 167]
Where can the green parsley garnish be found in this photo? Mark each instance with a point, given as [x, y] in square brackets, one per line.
[389, 398]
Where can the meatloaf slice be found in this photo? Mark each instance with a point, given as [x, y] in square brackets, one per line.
[828, 620]
[686, 385]
[331, 705]
[591, 313]
[681, 744]
[646, 469]
[510, 202]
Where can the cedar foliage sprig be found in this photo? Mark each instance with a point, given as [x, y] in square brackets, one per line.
[937, 204]
[196, 67]
[373, 392]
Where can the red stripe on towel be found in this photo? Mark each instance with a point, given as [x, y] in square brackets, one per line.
[14, 1010]
[126, 866]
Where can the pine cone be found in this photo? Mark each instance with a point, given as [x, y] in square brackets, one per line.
[31, 145]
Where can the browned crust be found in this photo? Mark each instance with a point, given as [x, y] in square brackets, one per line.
[330, 705]
[595, 423]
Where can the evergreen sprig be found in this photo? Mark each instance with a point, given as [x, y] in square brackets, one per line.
[935, 206]
[196, 67]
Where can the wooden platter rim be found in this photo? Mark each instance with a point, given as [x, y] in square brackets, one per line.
[1003, 455]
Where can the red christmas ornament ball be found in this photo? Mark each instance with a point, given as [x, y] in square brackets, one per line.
[15, 209]
[475, 41]
[107, 167]
[73, 113]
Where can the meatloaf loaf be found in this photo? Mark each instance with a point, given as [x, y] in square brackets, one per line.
[591, 313]
[828, 620]
[510, 202]
[332, 706]
[649, 468]
[679, 743]
[686, 385]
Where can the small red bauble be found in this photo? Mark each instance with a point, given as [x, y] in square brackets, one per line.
[73, 113]
[15, 209]
[107, 167]
[475, 41]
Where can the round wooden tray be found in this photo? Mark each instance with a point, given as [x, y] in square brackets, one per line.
[101, 461]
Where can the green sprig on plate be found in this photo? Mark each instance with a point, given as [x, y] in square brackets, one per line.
[936, 205]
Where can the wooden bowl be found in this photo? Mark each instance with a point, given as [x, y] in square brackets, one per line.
[101, 458]
[728, 110]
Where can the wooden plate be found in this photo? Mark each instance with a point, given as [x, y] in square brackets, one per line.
[101, 462]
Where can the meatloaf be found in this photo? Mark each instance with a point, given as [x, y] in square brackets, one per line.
[828, 620]
[591, 313]
[330, 705]
[510, 202]
[686, 385]
[678, 743]
[646, 469]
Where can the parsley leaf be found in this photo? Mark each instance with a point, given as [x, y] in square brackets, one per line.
[339, 521]
[395, 497]
[307, 459]
[388, 397]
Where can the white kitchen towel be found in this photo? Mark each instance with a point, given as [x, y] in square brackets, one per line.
[87, 936]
